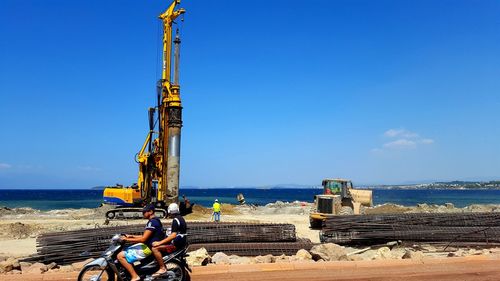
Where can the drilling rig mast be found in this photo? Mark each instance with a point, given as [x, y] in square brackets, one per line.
[159, 157]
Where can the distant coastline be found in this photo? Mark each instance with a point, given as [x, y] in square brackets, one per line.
[451, 185]
[455, 185]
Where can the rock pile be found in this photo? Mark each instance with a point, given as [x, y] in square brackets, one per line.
[14, 266]
[6, 211]
[390, 208]
[332, 252]
[278, 207]
[319, 253]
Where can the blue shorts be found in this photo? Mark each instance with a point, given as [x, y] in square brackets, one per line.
[137, 252]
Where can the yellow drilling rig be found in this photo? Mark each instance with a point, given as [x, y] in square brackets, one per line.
[159, 157]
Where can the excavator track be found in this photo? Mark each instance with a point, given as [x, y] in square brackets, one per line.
[131, 213]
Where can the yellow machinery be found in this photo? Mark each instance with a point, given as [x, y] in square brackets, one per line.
[159, 157]
[338, 198]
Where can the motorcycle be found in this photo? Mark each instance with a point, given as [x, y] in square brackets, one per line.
[108, 268]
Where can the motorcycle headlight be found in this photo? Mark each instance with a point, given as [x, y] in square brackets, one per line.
[116, 239]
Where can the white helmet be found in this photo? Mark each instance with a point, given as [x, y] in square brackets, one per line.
[216, 200]
[173, 208]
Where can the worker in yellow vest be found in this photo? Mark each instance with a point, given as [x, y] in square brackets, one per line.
[216, 213]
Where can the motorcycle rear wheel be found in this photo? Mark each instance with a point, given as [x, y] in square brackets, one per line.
[95, 273]
[181, 274]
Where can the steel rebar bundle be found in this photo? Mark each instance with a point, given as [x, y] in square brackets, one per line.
[481, 228]
[255, 249]
[438, 219]
[71, 246]
[239, 233]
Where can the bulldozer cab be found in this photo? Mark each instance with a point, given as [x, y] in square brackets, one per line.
[337, 187]
[339, 198]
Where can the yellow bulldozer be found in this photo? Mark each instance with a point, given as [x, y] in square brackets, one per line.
[339, 198]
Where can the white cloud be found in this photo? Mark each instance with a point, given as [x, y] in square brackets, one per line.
[401, 143]
[5, 166]
[393, 133]
[426, 141]
[402, 139]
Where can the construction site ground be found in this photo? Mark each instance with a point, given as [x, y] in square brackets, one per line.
[20, 227]
[464, 268]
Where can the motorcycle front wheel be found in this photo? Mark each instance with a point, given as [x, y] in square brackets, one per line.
[95, 273]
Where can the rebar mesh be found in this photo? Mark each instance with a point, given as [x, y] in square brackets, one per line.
[481, 228]
[255, 249]
[70, 246]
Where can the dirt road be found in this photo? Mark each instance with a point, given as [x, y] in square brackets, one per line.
[472, 268]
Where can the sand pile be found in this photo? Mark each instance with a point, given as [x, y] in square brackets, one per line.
[18, 230]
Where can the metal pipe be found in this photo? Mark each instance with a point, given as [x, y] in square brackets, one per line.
[174, 153]
[177, 55]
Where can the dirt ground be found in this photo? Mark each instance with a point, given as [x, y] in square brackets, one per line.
[20, 227]
[467, 268]
[18, 230]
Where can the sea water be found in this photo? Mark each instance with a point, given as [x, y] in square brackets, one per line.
[51, 199]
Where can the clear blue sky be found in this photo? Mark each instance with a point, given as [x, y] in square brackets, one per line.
[273, 91]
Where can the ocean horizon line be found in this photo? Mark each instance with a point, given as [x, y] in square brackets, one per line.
[456, 184]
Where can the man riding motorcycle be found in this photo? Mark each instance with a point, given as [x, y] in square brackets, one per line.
[176, 239]
[136, 261]
[152, 233]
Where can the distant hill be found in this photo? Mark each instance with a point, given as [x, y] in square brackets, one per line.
[434, 185]
[468, 184]
[446, 185]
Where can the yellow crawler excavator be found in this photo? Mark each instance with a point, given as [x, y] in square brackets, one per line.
[159, 157]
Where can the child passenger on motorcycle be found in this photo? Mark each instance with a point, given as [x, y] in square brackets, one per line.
[153, 233]
[176, 240]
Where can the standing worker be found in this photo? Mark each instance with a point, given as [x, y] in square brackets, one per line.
[216, 213]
